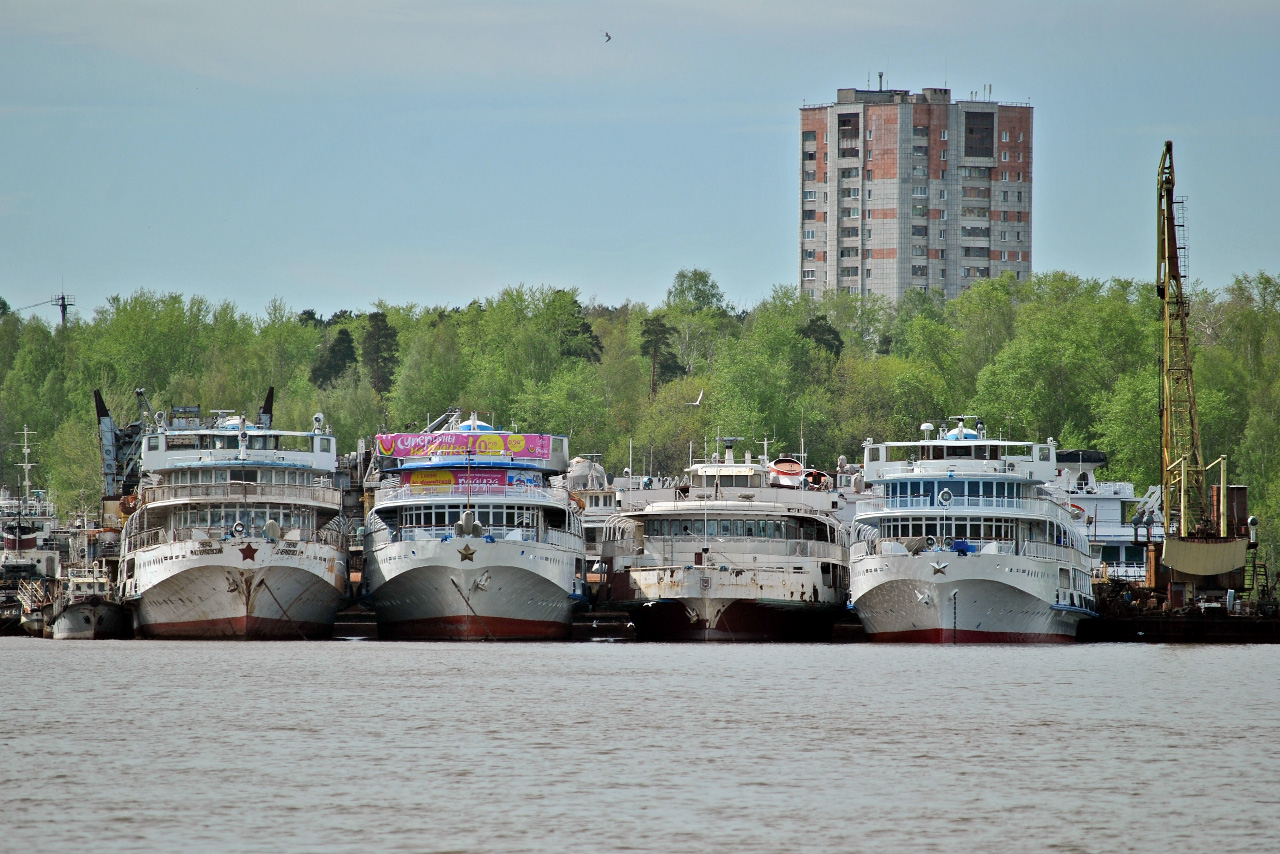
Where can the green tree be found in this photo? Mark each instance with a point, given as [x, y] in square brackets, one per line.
[379, 350]
[339, 355]
[655, 343]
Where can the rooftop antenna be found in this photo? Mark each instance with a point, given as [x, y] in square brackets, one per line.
[881, 81]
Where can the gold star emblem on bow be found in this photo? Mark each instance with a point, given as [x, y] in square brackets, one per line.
[467, 553]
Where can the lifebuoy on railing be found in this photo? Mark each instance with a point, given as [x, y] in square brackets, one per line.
[238, 529]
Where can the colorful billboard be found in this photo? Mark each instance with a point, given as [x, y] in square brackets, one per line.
[520, 446]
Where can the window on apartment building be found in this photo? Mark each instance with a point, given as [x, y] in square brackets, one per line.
[975, 231]
[1004, 235]
[919, 171]
[826, 157]
[919, 231]
[1004, 136]
[942, 254]
[942, 234]
[964, 272]
[1019, 136]
[847, 125]
[1017, 215]
[849, 152]
[869, 153]
[1004, 216]
[1017, 237]
[868, 194]
[919, 251]
[866, 273]
[983, 272]
[975, 192]
[975, 252]
[942, 155]
[919, 210]
[810, 254]
[919, 269]
[810, 136]
[942, 195]
[810, 195]
[848, 272]
[1004, 195]
[920, 192]
[811, 155]
[975, 172]
[849, 252]
[942, 273]
[810, 214]
[868, 175]
[943, 136]
[866, 213]
[920, 130]
[867, 234]
[809, 275]
[1004, 176]
[811, 174]
[920, 150]
[810, 234]
[1019, 156]
[851, 192]
[1019, 195]
[1019, 177]
[1004, 155]
[979, 134]
[851, 172]
[846, 213]
[849, 232]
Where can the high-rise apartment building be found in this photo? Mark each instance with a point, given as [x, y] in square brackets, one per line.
[902, 190]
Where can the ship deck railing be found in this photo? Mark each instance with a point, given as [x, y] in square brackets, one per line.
[750, 546]
[552, 494]
[552, 536]
[1038, 506]
[155, 536]
[242, 491]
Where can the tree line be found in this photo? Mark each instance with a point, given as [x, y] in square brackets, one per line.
[1054, 355]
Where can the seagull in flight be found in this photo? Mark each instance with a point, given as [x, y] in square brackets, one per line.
[697, 402]
[607, 38]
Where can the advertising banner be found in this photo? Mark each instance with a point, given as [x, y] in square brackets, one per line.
[520, 446]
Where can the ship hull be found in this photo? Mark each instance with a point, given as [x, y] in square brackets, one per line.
[731, 620]
[86, 621]
[505, 591]
[938, 597]
[33, 623]
[276, 592]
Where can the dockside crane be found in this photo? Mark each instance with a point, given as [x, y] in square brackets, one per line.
[1198, 538]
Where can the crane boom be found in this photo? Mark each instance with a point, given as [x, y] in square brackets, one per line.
[1183, 481]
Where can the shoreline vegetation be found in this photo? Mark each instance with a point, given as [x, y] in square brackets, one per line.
[1055, 355]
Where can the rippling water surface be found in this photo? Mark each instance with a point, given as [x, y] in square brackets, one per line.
[361, 746]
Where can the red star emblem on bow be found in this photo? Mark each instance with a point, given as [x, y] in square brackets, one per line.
[248, 552]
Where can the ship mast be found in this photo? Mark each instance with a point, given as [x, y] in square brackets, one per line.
[26, 465]
[1183, 479]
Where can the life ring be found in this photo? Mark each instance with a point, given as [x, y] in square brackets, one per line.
[238, 529]
[1076, 511]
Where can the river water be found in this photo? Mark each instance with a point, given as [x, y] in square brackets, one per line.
[364, 746]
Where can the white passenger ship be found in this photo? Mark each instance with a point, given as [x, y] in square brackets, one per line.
[467, 539]
[237, 532]
[965, 545]
[730, 555]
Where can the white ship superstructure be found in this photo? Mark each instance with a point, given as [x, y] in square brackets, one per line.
[1118, 522]
[966, 545]
[731, 554]
[236, 533]
[467, 538]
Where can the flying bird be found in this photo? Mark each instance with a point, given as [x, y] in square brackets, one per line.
[607, 38]
[697, 402]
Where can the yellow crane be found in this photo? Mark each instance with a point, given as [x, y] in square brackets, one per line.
[1197, 541]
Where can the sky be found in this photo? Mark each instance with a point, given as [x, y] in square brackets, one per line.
[336, 153]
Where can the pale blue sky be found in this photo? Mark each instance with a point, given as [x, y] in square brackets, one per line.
[336, 153]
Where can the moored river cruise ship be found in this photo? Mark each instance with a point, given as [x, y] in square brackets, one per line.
[965, 545]
[731, 554]
[472, 536]
[236, 532]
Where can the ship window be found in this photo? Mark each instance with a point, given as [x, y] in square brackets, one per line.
[153, 443]
[453, 514]
[220, 476]
[698, 528]
[1000, 489]
[988, 489]
[726, 527]
[928, 491]
[750, 528]
[737, 527]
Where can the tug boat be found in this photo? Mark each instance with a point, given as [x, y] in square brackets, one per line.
[967, 543]
[739, 551]
[473, 535]
[237, 532]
